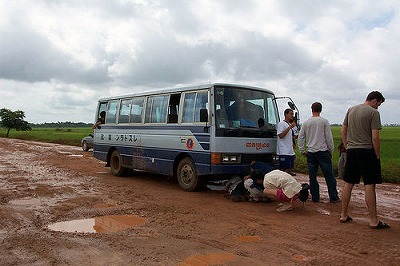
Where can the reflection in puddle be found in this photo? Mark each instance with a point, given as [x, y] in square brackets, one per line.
[208, 259]
[75, 155]
[325, 212]
[101, 224]
[300, 258]
[26, 201]
[249, 239]
[104, 205]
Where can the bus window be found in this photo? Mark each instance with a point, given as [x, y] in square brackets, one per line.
[188, 107]
[156, 109]
[111, 115]
[271, 112]
[102, 107]
[159, 109]
[124, 111]
[149, 104]
[173, 108]
[137, 109]
[201, 102]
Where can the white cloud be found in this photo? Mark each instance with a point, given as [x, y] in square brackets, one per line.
[58, 57]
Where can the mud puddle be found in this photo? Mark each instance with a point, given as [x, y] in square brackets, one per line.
[209, 259]
[101, 224]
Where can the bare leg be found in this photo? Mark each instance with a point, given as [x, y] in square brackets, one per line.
[270, 193]
[370, 199]
[346, 195]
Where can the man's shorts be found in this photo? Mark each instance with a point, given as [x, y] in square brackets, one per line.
[282, 197]
[286, 161]
[362, 163]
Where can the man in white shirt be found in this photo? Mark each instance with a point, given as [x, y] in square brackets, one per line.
[316, 143]
[284, 148]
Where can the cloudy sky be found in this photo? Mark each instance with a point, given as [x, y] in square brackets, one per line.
[58, 57]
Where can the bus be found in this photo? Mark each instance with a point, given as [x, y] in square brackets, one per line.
[195, 133]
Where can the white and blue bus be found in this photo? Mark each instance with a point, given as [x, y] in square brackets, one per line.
[195, 133]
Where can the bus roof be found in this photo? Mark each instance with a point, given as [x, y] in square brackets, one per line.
[180, 89]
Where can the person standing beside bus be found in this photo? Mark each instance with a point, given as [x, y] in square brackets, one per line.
[316, 143]
[360, 135]
[284, 147]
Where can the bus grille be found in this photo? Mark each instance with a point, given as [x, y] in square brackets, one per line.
[248, 158]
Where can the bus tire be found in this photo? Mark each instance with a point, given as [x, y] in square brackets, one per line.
[85, 147]
[116, 164]
[187, 175]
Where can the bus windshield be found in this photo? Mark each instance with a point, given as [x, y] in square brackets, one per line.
[242, 112]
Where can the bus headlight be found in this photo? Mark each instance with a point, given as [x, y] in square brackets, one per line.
[218, 158]
[230, 158]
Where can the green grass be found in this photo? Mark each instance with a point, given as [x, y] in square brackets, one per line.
[390, 146]
[68, 136]
[390, 154]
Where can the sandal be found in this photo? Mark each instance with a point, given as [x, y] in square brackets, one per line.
[348, 219]
[380, 225]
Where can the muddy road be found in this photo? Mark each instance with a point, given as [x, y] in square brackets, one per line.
[60, 206]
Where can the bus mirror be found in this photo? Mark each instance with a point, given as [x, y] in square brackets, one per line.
[292, 106]
[203, 115]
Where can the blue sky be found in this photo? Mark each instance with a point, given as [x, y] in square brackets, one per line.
[58, 57]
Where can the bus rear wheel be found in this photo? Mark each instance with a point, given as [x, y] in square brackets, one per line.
[187, 175]
[116, 164]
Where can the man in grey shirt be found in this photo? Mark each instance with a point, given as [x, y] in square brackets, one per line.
[316, 143]
[360, 135]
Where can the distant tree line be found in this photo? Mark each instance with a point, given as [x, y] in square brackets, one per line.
[60, 124]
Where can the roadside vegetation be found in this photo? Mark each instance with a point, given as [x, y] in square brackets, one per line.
[390, 154]
[390, 145]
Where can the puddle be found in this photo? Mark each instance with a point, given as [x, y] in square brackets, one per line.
[104, 205]
[208, 259]
[101, 224]
[300, 258]
[249, 239]
[103, 172]
[75, 155]
[325, 212]
[24, 202]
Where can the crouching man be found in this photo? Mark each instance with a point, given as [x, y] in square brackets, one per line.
[283, 187]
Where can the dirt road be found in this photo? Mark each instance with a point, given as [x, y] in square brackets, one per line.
[43, 184]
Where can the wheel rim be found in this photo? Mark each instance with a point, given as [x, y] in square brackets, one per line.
[187, 174]
[115, 162]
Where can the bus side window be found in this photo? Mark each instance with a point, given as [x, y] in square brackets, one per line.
[111, 115]
[159, 109]
[188, 108]
[102, 107]
[149, 103]
[137, 110]
[124, 111]
[173, 108]
[201, 103]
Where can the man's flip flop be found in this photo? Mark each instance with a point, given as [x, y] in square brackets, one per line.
[380, 225]
[348, 219]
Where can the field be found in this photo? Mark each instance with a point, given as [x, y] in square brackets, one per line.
[390, 146]
[68, 136]
[390, 154]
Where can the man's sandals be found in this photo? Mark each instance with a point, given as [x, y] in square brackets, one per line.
[348, 219]
[380, 225]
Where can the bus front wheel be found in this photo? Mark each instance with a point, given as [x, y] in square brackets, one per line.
[187, 175]
[116, 164]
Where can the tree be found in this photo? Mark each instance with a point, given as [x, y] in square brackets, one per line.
[13, 120]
